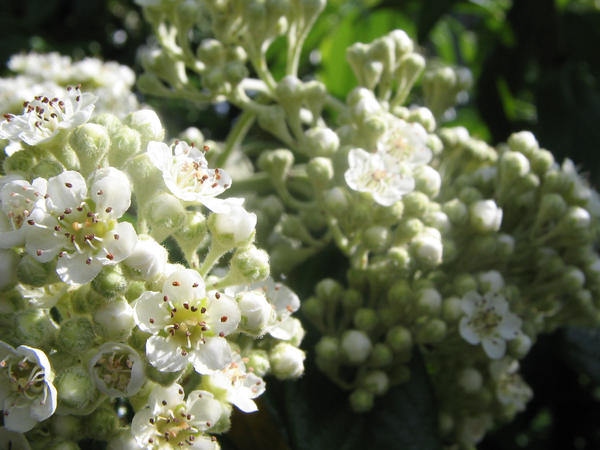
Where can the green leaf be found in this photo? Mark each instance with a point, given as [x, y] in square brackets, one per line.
[431, 11]
[319, 417]
[581, 348]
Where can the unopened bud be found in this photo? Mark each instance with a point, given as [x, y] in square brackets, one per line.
[287, 361]
[75, 387]
[356, 346]
[251, 264]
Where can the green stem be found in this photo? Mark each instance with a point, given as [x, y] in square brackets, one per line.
[214, 254]
[236, 135]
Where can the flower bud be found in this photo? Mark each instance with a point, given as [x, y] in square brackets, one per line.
[256, 312]
[456, 211]
[109, 121]
[376, 382]
[319, 171]
[329, 290]
[541, 161]
[46, 168]
[400, 257]
[147, 123]
[287, 361]
[336, 201]
[75, 336]
[400, 293]
[428, 181]
[464, 283]
[234, 228]
[258, 362]
[321, 141]
[66, 426]
[35, 328]
[250, 264]
[75, 387]
[64, 445]
[165, 214]
[524, 142]
[513, 165]
[427, 247]
[351, 300]
[573, 279]
[21, 162]
[361, 401]
[486, 216]
[148, 258]
[313, 308]
[289, 90]
[381, 355]
[30, 271]
[431, 332]
[356, 346]
[110, 281]
[520, 346]
[276, 163]
[90, 142]
[577, 219]
[115, 320]
[491, 281]
[365, 319]
[399, 339]
[451, 309]
[103, 423]
[470, 380]
[328, 349]
[429, 302]
[124, 143]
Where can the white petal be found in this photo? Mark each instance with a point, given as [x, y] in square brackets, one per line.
[76, 268]
[160, 154]
[184, 286]
[13, 440]
[150, 313]
[18, 418]
[215, 354]
[510, 327]
[41, 410]
[165, 355]
[204, 408]
[223, 314]
[171, 395]
[119, 242]
[467, 332]
[285, 330]
[494, 347]
[111, 190]
[66, 190]
[42, 244]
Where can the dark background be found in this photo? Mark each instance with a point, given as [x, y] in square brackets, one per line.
[536, 66]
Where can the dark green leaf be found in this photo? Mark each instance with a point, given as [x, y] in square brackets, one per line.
[581, 348]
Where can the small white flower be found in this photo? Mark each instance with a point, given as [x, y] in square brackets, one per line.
[27, 395]
[511, 390]
[168, 421]
[44, 117]
[240, 386]
[188, 325]
[377, 174]
[44, 66]
[185, 172]
[406, 143]
[81, 227]
[117, 370]
[18, 201]
[488, 321]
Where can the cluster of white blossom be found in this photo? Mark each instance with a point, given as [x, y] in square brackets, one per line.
[459, 250]
[96, 323]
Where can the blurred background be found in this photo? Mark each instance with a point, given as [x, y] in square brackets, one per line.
[535, 65]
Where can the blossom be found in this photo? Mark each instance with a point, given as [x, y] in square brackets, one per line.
[239, 385]
[377, 174]
[185, 172]
[27, 394]
[488, 321]
[511, 390]
[232, 222]
[80, 225]
[486, 215]
[44, 117]
[406, 143]
[188, 325]
[169, 421]
[117, 370]
[18, 199]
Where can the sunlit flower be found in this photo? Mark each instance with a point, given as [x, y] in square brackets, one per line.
[406, 143]
[117, 370]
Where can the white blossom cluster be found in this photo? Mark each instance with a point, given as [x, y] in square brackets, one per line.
[463, 251]
[98, 323]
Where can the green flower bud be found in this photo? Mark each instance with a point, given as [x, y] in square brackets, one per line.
[165, 214]
[90, 142]
[452, 309]
[400, 293]
[520, 346]
[320, 172]
[109, 121]
[272, 119]
[313, 308]
[47, 168]
[361, 401]
[134, 289]
[381, 355]
[399, 339]
[431, 332]
[485, 216]
[552, 207]
[287, 361]
[357, 278]
[321, 141]
[315, 94]
[336, 201]
[422, 115]
[355, 346]
[541, 161]
[427, 247]
[456, 211]
[31, 271]
[85, 300]
[289, 90]
[35, 328]
[365, 319]
[75, 387]
[377, 382]
[429, 302]
[328, 349]
[115, 321]
[410, 67]
[523, 142]
[408, 229]
[400, 257]
[124, 144]
[76, 335]
[64, 445]
[513, 165]
[464, 283]
[250, 265]
[351, 300]
[102, 424]
[470, 195]
[66, 426]
[573, 279]
[258, 362]
[276, 163]
[329, 290]
[470, 380]
[376, 238]
[110, 281]
[21, 162]
[147, 123]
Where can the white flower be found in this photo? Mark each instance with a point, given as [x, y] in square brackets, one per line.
[168, 421]
[117, 370]
[185, 172]
[18, 199]
[486, 216]
[488, 321]
[377, 174]
[511, 390]
[27, 394]
[233, 221]
[287, 361]
[81, 227]
[44, 117]
[44, 66]
[406, 143]
[188, 326]
[256, 312]
[240, 386]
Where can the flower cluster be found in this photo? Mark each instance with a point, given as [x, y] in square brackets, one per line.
[96, 322]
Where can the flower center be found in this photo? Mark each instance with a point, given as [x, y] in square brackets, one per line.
[115, 370]
[25, 377]
[19, 205]
[174, 427]
[486, 320]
